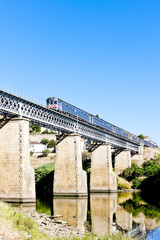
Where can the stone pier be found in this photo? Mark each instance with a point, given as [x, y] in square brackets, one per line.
[69, 178]
[103, 179]
[122, 161]
[139, 158]
[17, 181]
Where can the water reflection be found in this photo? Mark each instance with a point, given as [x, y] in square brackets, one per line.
[103, 207]
[106, 213]
[73, 211]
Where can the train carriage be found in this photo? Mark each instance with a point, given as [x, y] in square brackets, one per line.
[60, 105]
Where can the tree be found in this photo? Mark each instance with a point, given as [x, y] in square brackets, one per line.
[97, 115]
[35, 128]
[45, 152]
[45, 141]
[51, 144]
[141, 136]
[45, 132]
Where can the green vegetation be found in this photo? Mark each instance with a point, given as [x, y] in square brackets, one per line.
[133, 172]
[47, 132]
[122, 185]
[138, 205]
[34, 128]
[45, 152]
[44, 206]
[141, 136]
[45, 141]
[43, 171]
[18, 221]
[51, 144]
[29, 229]
[31, 153]
[145, 177]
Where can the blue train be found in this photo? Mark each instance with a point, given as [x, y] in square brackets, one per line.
[60, 105]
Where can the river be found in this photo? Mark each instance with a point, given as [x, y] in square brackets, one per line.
[132, 213]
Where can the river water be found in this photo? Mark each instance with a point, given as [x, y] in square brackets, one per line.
[132, 213]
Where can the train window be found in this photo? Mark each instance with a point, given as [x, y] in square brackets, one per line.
[66, 105]
[55, 102]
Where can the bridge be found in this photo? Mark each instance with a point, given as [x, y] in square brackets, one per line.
[69, 179]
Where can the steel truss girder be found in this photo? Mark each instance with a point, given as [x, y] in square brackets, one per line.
[18, 107]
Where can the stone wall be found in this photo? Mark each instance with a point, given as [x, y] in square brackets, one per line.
[148, 154]
[37, 160]
[39, 137]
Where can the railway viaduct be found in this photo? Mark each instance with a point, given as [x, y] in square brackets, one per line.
[17, 182]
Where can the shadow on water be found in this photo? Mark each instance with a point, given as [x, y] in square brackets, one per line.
[44, 188]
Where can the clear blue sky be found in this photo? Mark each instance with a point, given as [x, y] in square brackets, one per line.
[100, 55]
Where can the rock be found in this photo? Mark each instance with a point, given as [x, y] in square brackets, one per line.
[54, 228]
[56, 216]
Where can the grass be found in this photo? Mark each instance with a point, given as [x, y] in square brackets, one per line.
[43, 171]
[16, 221]
[26, 227]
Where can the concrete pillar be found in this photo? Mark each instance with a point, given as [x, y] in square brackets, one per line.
[103, 179]
[69, 178]
[122, 161]
[138, 158]
[71, 210]
[103, 207]
[17, 181]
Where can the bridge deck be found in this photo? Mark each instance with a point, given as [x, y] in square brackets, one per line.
[13, 106]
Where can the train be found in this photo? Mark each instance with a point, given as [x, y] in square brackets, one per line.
[62, 106]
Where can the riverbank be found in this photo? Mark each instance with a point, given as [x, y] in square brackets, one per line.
[19, 225]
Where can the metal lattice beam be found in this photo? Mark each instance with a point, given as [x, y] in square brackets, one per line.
[14, 106]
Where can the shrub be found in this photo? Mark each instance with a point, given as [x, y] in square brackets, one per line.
[34, 128]
[141, 136]
[51, 144]
[45, 141]
[45, 152]
[151, 168]
[45, 132]
[31, 153]
[137, 183]
[133, 172]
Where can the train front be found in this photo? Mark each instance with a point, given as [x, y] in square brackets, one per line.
[53, 103]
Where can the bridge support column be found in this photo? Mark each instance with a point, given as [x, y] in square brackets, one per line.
[69, 178]
[122, 161]
[17, 181]
[103, 179]
[138, 158]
